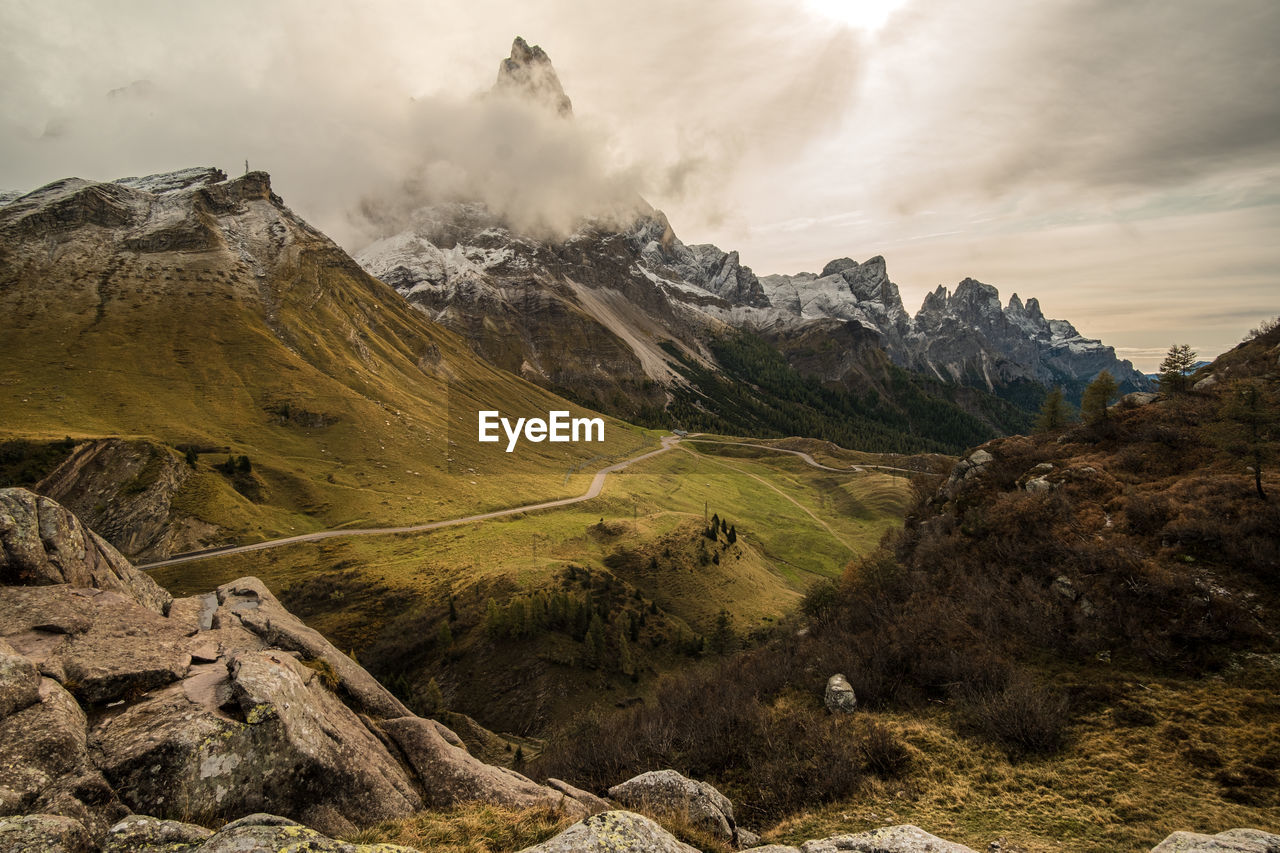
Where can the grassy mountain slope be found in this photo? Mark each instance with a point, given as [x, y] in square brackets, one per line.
[212, 317]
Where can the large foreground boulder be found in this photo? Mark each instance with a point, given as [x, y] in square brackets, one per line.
[890, 839]
[44, 833]
[1231, 841]
[141, 834]
[115, 698]
[613, 832]
[668, 792]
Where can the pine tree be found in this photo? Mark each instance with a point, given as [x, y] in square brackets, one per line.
[517, 619]
[723, 640]
[733, 534]
[1054, 413]
[595, 641]
[192, 457]
[492, 618]
[1097, 396]
[444, 637]
[433, 700]
[626, 665]
[1249, 424]
[1175, 367]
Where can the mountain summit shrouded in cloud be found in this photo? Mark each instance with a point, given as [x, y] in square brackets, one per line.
[528, 73]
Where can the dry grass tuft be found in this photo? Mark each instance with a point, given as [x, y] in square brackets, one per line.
[471, 828]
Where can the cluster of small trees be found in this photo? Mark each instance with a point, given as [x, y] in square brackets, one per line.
[1055, 413]
[567, 612]
[720, 525]
[234, 465]
[579, 616]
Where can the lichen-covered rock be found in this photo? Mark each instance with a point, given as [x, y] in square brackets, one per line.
[1231, 841]
[613, 832]
[250, 834]
[42, 543]
[263, 732]
[143, 834]
[44, 833]
[773, 848]
[1137, 399]
[213, 704]
[45, 765]
[668, 791]
[890, 839]
[839, 696]
[972, 466]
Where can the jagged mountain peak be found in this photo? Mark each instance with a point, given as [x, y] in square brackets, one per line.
[976, 299]
[528, 73]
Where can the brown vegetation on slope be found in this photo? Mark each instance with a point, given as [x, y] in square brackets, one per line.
[1138, 544]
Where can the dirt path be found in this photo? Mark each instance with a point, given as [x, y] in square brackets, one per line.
[852, 469]
[597, 484]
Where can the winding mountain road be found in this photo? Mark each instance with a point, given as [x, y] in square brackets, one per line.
[593, 491]
[852, 469]
[805, 456]
[597, 484]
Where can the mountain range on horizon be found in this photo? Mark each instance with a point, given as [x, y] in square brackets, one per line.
[617, 304]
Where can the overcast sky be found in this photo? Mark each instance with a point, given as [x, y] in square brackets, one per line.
[1118, 160]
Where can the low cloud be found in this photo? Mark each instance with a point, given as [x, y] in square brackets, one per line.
[360, 125]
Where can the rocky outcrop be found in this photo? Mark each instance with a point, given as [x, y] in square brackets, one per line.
[117, 699]
[891, 839]
[124, 491]
[839, 696]
[142, 834]
[43, 543]
[666, 791]
[1231, 841]
[613, 832]
[970, 468]
[152, 835]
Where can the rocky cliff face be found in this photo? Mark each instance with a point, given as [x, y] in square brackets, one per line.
[964, 336]
[115, 698]
[126, 490]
